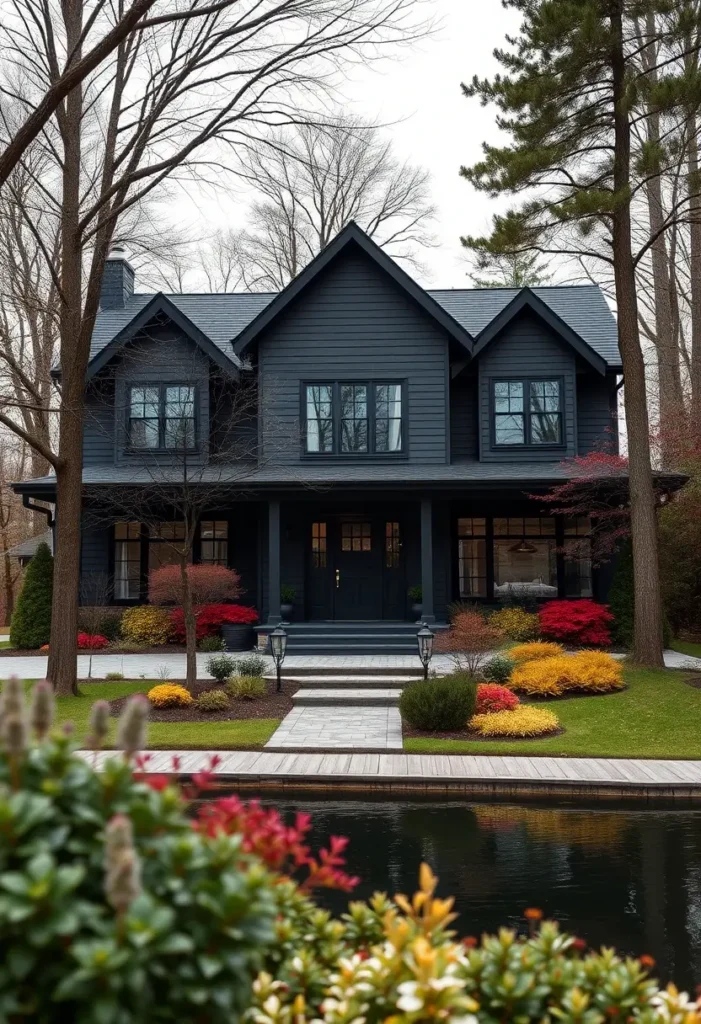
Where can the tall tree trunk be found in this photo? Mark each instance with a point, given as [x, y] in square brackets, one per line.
[190, 621]
[694, 186]
[647, 644]
[62, 668]
[671, 400]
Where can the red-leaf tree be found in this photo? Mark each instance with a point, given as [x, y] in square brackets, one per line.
[191, 587]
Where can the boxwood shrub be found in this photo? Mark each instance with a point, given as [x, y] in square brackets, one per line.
[439, 705]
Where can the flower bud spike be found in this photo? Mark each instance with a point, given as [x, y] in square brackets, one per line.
[99, 724]
[42, 710]
[131, 731]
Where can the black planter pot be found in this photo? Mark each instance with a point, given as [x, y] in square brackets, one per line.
[417, 611]
[286, 612]
[237, 637]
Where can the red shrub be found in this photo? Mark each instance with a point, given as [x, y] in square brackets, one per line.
[491, 697]
[91, 642]
[470, 637]
[207, 583]
[210, 617]
[576, 622]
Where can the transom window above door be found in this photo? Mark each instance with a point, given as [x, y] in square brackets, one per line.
[161, 416]
[354, 418]
[527, 412]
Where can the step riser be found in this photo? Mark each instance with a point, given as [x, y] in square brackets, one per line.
[366, 684]
[364, 650]
[346, 702]
[342, 629]
[371, 671]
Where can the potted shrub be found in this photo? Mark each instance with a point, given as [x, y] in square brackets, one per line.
[237, 622]
[415, 595]
[287, 599]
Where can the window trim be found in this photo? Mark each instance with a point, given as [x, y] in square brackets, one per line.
[162, 386]
[528, 444]
[371, 384]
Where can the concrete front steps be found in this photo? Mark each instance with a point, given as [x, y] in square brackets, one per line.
[331, 639]
[347, 697]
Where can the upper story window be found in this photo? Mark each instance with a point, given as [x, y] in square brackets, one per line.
[162, 416]
[354, 418]
[527, 412]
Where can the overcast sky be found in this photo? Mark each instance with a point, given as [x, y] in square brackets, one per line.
[417, 95]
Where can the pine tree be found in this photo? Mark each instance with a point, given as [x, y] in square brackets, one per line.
[574, 90]
[31, 622]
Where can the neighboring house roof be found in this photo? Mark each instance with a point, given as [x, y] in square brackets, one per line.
[28, 548]
[468, 472]
[230, 321]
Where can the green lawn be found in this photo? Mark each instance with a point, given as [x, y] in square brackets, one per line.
[245, 733]
[657, 716]
[685, 647]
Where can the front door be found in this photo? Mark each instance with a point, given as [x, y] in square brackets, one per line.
[355, 569]
[357, 582]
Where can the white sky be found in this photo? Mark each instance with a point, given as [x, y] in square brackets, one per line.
[417, 96]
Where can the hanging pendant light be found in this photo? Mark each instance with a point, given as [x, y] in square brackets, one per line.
[523, 548]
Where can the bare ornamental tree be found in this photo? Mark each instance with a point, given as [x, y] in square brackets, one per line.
[175, 94]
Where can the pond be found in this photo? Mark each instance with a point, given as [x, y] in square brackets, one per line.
[629, 877]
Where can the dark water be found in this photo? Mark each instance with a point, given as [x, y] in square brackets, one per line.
[629, 878]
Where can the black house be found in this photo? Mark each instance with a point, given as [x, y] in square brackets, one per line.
[396, 437]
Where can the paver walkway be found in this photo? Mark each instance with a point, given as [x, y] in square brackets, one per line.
[466, 772]
[338, 728]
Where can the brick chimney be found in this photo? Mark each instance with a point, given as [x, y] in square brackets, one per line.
[117, 280]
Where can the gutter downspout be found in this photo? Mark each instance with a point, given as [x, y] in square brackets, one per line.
[50, 521]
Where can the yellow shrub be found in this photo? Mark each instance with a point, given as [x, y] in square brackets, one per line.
[544, 677]
[170, 695]
[517, 624]
[524, 720]
[147, 624]
[536, 649]
[595, 672]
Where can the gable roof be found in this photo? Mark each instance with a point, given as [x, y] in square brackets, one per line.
[230, 321]
[352, 235]
[526, 299]
[154, 306]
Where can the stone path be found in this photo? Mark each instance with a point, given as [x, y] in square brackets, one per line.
[339, 728]
[467, 773]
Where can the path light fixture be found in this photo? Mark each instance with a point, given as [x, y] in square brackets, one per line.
[278, 646]
[425, 640]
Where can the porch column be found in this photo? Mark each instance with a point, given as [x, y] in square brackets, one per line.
[427, 560]
[274, 616]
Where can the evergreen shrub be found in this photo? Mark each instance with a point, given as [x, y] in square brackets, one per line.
[441, 704]
[498, 669]
[31, 622]
[212, 700]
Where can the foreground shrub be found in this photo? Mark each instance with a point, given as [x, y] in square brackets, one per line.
[101, 619]
[31, 621]
[467, 640]
[498, 669]
[535, 650]
[147, 624]
[169, 695]
[210, 644]
[251, 665]
[441, 704]
[517, 624]
[220, 667]
[211, 617]
[492, 698]
[247, 687]
[91, 642]
[585, 672]
[524, 721]
[212, 700]
[581, 622]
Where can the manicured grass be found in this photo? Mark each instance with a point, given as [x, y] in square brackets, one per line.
[657, 716]
[5, 645]
[685, 647]
[243, 733]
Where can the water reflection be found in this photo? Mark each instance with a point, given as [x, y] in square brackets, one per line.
[630, 877]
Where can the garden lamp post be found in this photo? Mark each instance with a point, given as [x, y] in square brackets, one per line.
[278, 646]
[425, 639]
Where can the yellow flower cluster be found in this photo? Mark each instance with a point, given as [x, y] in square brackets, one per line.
[516, 623]
[585, 672]
[537, 649]
[523, 720]
[147, 624]
[170, 695]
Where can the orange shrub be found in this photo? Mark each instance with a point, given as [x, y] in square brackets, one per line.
[170, 695]
[544, 677]
[536, 649]
[595, 672]
[584, 672]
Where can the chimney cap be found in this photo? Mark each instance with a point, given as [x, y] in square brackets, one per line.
[117, 252]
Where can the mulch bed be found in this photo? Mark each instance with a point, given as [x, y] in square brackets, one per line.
[694, 680]
[273, 705]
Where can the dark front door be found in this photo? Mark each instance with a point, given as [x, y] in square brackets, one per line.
[357, 582]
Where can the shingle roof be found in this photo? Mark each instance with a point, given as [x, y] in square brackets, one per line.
[27, 549]
[223, 316]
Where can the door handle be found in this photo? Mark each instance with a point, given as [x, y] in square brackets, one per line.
[338, 578]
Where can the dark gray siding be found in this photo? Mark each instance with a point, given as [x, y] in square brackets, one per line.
[596, 420]
[98, 431]
[94, 563]
[353, 323]
[527, 348]
[463, 417]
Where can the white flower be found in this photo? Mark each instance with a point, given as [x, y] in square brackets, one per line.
[271, 1005]
[408, 1000]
